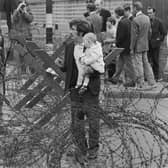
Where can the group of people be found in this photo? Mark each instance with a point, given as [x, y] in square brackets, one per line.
[139, 35]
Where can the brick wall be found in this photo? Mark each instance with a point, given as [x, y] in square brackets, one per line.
[66, 10]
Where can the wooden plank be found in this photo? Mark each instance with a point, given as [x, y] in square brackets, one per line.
[52, 84]
[41, 69]
[28, 97]
[54, 110]
[37, 98]
[44, 57]
[58, 51]
[29, 82]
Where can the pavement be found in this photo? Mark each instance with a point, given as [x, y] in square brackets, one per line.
[119, 91]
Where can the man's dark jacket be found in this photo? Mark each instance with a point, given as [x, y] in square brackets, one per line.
[72, 73]
[104, 13]
[158, 33]
[123, 36]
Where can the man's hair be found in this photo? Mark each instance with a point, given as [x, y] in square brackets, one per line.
[138, 5]
[90, 1]
[119, 11]
[112, 20]
[91, 7]
[127, 7]
[83, 26]
[149, 8]
[90, 36]
[21, 1]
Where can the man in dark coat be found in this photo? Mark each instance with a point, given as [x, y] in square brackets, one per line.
[157, 37]
[122, 41]
[104, 13]
[85, 104]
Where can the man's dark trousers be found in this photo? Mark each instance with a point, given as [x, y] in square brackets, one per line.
[85, 105]
[154, 60]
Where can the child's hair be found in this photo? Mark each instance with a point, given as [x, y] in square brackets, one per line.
[91, 37]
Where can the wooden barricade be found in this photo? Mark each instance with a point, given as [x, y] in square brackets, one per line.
[40, 61]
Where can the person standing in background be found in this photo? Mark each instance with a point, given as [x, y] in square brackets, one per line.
[157, 37]
[129, 72]
[21, 26]
[104, 13]
[122, 41]
[86, 14]
[140, 32]
[127, 12]
[95, 20]
[22, 19]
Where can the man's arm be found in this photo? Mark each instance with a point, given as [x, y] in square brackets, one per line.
[162, 30]
[28, 15]
[64, 69]
[134, 35]
[120, 33]
[15, 17]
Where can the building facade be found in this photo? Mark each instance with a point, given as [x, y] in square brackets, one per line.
[66, 10]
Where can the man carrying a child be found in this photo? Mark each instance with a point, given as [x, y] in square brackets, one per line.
[84, 102]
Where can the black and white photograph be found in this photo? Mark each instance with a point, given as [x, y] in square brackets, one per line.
[83, 83]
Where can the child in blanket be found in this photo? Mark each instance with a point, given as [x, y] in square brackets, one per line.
[89, 60]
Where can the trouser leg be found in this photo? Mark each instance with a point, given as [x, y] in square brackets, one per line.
[130, 69]
[119, 67]
[93, 127]
[147, 69]
[111, 69]
[90, 107]
[139, 70]
[78, 127]
[155, 61]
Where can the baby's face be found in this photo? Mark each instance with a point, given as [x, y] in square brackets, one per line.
[87, 42]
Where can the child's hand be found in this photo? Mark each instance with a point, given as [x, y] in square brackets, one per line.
[109, 40]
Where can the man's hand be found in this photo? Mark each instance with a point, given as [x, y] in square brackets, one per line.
[59, 62]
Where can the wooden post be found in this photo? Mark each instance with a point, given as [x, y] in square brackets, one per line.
[49, 27]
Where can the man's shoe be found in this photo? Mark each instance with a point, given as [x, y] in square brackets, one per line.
[130, 84]
[92, 153]
[80, 157]
[113, 81]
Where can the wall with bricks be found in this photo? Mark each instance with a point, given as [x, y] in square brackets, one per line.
[66, 10]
